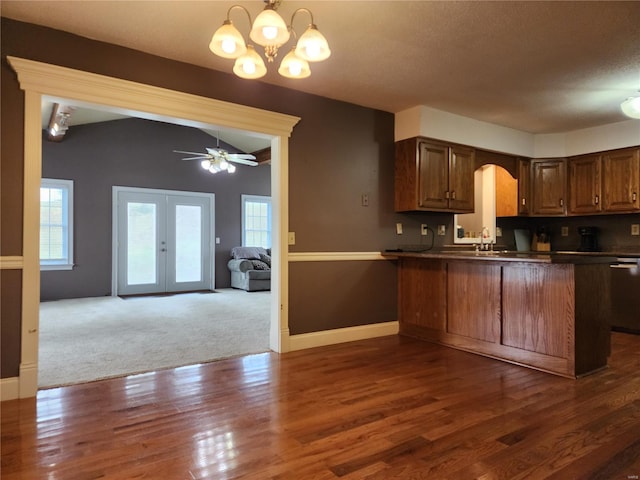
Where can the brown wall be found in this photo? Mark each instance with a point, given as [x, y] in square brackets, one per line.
[337, 152]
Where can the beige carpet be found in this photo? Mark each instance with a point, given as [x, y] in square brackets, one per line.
[94, 338]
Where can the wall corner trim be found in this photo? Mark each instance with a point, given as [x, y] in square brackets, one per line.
[342, 335]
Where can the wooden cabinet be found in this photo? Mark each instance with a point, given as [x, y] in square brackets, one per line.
[423, 302]
[622, 180]
[548, 187]
[548, 316]
[537, 321]
[585, 184]
[433, 176]
[524, 186]
[605, 182]
[478, 316]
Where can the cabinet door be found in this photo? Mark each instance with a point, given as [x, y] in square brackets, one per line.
[421, 294]
[433, 176]
[461, 168]
[549, 185]
[585, 184]
[473, 300]
[621, 180]
[538, 308]
[524, 187]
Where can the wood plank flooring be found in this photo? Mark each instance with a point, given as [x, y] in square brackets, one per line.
[386, 408]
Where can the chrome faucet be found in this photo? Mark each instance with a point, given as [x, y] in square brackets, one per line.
[483, 246]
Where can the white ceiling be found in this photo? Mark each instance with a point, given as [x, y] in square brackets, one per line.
[539, 67]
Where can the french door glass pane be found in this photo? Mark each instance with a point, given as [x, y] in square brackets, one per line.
[188, 243]
[142, 243]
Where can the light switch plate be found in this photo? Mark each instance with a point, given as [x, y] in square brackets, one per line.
[498, 231]
[441, 229]
[635, 229]
[398, 229]
[564, 231]
[292, 238]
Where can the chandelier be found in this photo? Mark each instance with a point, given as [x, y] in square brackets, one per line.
[271, 32]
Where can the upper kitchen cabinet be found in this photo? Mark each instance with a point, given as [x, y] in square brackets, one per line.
[433, 176]
[622, 180]
[605, 182]
[524, 186]
[548, 187]
[585, 184]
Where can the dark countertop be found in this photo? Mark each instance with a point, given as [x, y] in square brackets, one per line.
[513, 256]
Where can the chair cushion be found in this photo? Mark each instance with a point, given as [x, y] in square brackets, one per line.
[260, 265]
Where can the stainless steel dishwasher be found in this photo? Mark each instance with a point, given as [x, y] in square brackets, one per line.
[625, 295]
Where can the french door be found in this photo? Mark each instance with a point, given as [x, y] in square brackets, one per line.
[162, 241]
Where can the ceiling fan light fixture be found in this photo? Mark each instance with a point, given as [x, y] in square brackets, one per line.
[312, 46]
[205, 164]
[631, 107]
[250, 65]
[227, 41]
[292, 66]
[231, 168]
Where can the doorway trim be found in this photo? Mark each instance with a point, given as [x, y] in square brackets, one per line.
[40, 80]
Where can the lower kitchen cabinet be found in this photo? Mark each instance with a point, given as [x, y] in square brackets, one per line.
[544, 315]
[478, 316]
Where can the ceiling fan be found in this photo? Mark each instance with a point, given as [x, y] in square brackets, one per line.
[218, 159]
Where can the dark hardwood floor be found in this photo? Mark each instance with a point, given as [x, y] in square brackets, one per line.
[387, 408]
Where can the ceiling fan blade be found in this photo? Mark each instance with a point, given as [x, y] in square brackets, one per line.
[251, 163]
[245, 156]
[190, 153]
[206, 157]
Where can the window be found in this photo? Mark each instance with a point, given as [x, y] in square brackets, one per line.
[256, 221]
[56, 224]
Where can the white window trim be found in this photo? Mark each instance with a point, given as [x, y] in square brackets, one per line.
[254, 198]
[53, 264]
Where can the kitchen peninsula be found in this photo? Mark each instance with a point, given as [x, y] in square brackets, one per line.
[544, 311]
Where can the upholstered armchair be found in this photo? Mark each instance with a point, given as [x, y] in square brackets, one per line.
[250, 268]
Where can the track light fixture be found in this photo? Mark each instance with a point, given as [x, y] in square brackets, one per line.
[271, 32]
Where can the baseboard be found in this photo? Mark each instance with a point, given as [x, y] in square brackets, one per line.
[341, 335]
[9, 388]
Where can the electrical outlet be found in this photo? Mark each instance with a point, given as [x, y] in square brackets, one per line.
[398, 229]
[292, 238]
[423, 229]
[564, 231]
[635, 229]
[498, 231]
[365, 200]
[441, 229]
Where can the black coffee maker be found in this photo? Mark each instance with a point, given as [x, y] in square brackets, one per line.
[588, 239]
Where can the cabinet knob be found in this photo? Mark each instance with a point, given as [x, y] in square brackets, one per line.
[446, 194]
[561, 202]
[635, 196]
[597, 199]
[524, 202]
[453, 195]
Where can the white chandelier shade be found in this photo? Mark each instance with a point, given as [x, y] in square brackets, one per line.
[250, 65]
